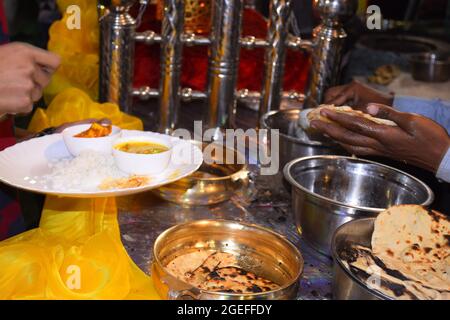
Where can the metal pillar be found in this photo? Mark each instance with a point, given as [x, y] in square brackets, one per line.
[329, 38]
[223, 63]
[275, 55]
[171, 57]
[117, 54]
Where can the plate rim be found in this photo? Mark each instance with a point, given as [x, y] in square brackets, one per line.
[101, 194]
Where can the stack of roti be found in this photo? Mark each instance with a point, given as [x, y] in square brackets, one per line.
[415, 242]
[410, 254]
[308, 115]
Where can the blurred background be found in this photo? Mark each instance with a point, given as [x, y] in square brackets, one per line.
[29, 20]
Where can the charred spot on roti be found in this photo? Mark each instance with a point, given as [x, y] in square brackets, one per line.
[437, 216]
[217, 271]
[255, 289]
[386, 286]
[206, 269]
[390, 272]
[348, 253]
[398, 289]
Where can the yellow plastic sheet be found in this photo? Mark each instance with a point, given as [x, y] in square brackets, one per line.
[78, 49]
[76, 253]
[73, 105]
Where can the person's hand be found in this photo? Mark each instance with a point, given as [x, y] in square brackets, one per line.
[356, 95]
[417, 140]
[24, 72]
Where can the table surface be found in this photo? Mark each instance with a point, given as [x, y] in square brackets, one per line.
[144, 216]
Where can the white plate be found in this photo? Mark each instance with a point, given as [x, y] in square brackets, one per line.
[24, 164]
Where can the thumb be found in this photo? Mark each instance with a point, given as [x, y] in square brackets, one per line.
[402, 119]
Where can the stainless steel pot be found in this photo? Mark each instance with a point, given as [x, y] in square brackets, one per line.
[430, 67]
[345, 285]
[293, 141]
[214, 182]
[328, 191]
[258, 250]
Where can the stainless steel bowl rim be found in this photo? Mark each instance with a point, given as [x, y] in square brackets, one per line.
[264, 124]
[293, 182]
[425, 58]
[337, 260]
[248, 225]
[429, 62]
[234, 176]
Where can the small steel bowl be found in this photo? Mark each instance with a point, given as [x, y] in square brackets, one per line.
[328, 191]
[214, 182]
[258, 250]
[345, 285]
[293, 141]
[430, 67]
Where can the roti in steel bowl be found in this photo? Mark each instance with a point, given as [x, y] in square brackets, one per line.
[407, 256]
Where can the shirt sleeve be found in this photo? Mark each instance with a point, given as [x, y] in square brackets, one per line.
[443, 171]
[436, 109]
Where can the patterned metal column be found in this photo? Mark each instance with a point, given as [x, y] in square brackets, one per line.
[275, 55]
[223, 63]
[117, 54]
[171, 56]
[329, 39]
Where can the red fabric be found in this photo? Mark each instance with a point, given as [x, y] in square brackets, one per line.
[11, 217]
[3, 25]
[11, 220]
[7, 138]
[195, 59]
[3, 20]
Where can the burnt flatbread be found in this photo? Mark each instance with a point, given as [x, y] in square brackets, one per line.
[236, 280]
[217, 271]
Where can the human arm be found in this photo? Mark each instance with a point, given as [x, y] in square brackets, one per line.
[416, 140]
[24, 72]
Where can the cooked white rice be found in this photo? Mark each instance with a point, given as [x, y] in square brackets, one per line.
[82, 173]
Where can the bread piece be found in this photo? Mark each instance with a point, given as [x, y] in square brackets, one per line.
[415, 242]
[308, 115]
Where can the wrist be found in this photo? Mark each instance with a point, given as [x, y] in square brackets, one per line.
[387, 99]
[440, 154]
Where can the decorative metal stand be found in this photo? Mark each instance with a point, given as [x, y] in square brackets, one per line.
[329, 39]
[118, 35]
[117, 53]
